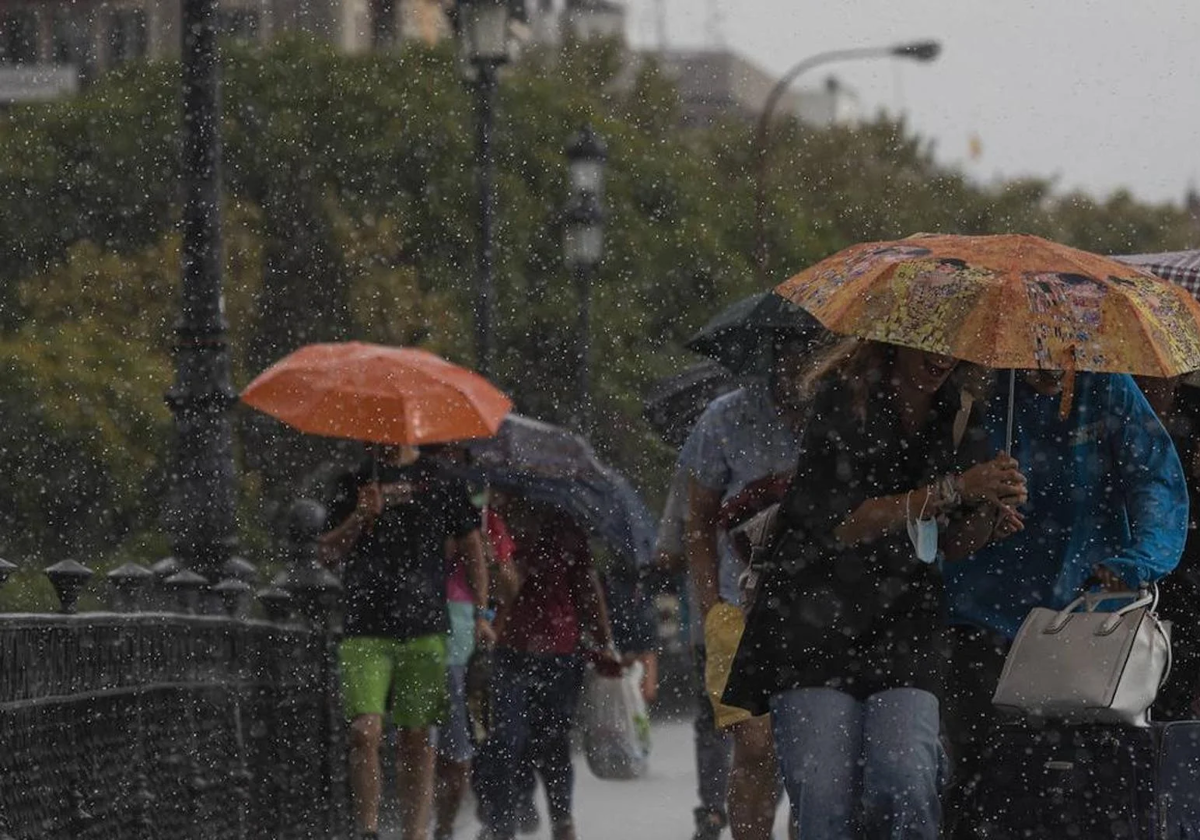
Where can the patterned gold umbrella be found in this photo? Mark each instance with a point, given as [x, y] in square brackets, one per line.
[1006, 301]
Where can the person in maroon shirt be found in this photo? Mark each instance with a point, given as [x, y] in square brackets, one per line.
[538, 668]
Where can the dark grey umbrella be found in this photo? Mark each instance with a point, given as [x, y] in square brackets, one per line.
[549, 464]
[672, 404]
[525, 445]
[740, 336]
[606, 505]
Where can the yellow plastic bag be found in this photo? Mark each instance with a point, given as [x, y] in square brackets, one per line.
[723, 626]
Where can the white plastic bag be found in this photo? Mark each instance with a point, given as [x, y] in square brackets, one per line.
[616, 726]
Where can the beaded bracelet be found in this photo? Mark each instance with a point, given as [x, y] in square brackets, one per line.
[949, 490]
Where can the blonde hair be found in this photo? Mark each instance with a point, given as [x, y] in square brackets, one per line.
[860, 363]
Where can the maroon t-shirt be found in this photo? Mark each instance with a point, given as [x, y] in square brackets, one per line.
[556, 563]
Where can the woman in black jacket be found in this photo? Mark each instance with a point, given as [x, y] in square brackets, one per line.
[844, 642]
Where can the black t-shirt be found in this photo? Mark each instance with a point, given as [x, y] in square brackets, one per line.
[395, 573]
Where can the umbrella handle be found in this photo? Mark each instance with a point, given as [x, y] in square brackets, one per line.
[1012, 390]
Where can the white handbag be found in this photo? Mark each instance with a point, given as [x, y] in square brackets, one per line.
[1092, 666]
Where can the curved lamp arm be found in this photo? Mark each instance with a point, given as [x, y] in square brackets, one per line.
[918, 51]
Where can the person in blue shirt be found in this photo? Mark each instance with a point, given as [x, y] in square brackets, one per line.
[1107, 506]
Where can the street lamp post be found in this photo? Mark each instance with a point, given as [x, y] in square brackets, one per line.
[483, 27]
[583, 249]
[917, 51]
[201, 504]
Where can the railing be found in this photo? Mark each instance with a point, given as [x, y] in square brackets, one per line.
[169, 725]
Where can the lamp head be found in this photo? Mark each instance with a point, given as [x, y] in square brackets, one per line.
[918, 50]
[586, 154]
[583, 232]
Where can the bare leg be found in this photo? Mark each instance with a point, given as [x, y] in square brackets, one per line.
[414, 781]
[366, 731]
[753, 786]
[449, 790]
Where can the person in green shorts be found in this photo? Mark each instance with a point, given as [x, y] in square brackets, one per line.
[388, 528]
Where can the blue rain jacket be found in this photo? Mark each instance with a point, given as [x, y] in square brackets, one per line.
[1105, 487]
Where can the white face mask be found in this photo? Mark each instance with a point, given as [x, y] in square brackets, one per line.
[923, 533]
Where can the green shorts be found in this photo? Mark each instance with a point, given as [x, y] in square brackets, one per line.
[406, 678]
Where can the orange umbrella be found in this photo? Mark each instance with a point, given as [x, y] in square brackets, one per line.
[1008, 301]
[377, 394]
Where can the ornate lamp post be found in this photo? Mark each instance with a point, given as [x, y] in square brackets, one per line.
[202, 508]
[583, 249]
[483, 28]
[916, 51]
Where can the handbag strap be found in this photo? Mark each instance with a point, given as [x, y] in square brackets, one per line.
[1144, 597]
[1170, 657]
[1148, 598]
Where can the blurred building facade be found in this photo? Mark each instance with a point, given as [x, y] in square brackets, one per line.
[581, 18]
[49, 47]
[718, 84]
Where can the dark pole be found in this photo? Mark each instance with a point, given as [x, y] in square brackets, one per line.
[583, 245]
[583, 351]
[485, 304]
[201, 506]
[920, 51]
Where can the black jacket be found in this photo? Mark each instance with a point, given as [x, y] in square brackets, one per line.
[862, 618]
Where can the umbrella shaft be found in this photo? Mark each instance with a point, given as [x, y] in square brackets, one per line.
[1008, 429]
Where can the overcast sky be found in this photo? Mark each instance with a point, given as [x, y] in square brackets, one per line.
[1098, 94]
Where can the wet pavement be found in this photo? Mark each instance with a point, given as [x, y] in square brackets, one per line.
[655, 807]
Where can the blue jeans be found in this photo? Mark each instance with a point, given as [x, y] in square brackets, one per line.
[533, 705]
[857, 769]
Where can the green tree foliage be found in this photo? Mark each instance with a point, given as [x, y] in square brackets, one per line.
[84, 431]
[350, 212]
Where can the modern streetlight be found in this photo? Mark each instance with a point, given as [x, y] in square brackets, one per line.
[483, 27]
[916, 51]
[201, 504]
[583, 249]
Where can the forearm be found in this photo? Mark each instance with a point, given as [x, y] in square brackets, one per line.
[649, 685]
[508, 583]
[878, 517]
[649, 660]
[477, 571]
[972, 532]
[334, 545]
[700, 543]
[702, 566]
